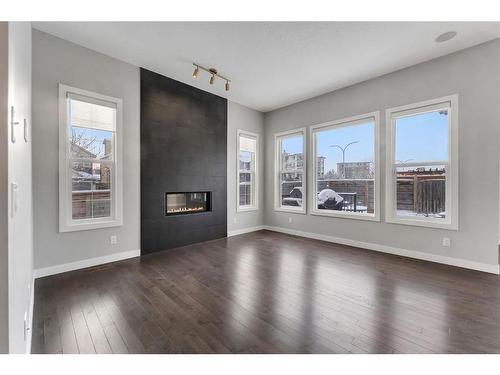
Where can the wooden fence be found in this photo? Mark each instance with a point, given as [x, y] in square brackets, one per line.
[421, 193]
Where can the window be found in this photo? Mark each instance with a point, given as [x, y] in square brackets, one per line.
[345, 176]
[290, 173]
[247, 170]
[89, 160]
[422, 170]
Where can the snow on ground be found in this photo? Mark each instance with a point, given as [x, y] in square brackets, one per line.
[440, 215]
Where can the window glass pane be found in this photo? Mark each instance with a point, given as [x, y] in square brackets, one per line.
[292, 153]
[422, 137]
[245, 194]
[91, 189]
[291, 189]
[345, 168]
[421, 191]
[91, 143]
[245, 177]
[246, 160]
[245, 189]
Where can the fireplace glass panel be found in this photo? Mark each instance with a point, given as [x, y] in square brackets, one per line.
[186, 203]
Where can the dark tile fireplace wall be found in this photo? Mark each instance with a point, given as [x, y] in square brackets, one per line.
[183, 148]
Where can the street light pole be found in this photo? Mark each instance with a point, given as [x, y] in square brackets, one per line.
[343, 149]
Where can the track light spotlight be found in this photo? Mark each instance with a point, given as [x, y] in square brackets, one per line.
[196, 71]
[227, 85]
[214, 73]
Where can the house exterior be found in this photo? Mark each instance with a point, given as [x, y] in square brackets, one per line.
[355, 170]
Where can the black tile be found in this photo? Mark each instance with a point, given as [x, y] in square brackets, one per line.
[183, 148]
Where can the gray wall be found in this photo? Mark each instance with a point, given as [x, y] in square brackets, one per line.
[57, 61]
[4, 192]
[474, 75]
[243, 118]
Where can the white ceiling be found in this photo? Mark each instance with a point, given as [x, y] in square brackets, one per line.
[273, 64]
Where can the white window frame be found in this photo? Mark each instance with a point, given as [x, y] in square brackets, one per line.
[254, 206]
[66, 222]
[346, 122]
[277, 172]
[451, 190]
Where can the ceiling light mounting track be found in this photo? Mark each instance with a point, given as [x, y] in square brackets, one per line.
[213, 75]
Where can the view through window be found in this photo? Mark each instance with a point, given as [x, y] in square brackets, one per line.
[91, 158]
[291, 187]
[345, 168]
[421, 163]
[247, 157]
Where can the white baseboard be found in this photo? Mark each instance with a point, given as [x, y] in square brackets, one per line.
[245, 230]
[60, 268]
[485, 267]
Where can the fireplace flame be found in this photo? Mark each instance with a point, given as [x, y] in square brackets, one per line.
[185, 209]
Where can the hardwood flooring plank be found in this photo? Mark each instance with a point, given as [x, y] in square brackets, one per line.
[115, 340]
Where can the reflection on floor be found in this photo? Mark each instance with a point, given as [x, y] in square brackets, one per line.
[266, 292]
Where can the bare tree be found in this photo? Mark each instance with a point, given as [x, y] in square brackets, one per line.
[90, 144]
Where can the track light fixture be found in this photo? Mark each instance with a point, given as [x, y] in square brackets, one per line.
[213, 74]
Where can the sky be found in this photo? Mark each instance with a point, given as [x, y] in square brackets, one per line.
[292, 145]
[245, 156]
[97, 147]
[422, 137]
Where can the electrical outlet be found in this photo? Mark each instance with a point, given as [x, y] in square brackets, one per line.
[289, 219]
[113, 240]
[446, 242]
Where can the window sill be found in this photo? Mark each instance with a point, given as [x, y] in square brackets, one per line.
[64, 228]
[247, 209]
[346, 215]
[291, 210]
[422, 223]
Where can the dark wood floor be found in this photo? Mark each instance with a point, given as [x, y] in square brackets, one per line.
[266, 292]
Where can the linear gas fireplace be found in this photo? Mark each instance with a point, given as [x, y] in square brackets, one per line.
[187, 203]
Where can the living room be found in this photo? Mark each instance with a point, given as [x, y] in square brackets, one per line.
[250, 187]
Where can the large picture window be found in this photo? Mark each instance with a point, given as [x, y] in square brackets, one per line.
[422, 178]
[247, 170]
[90, 166]
[290, 173]
[345, 176]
